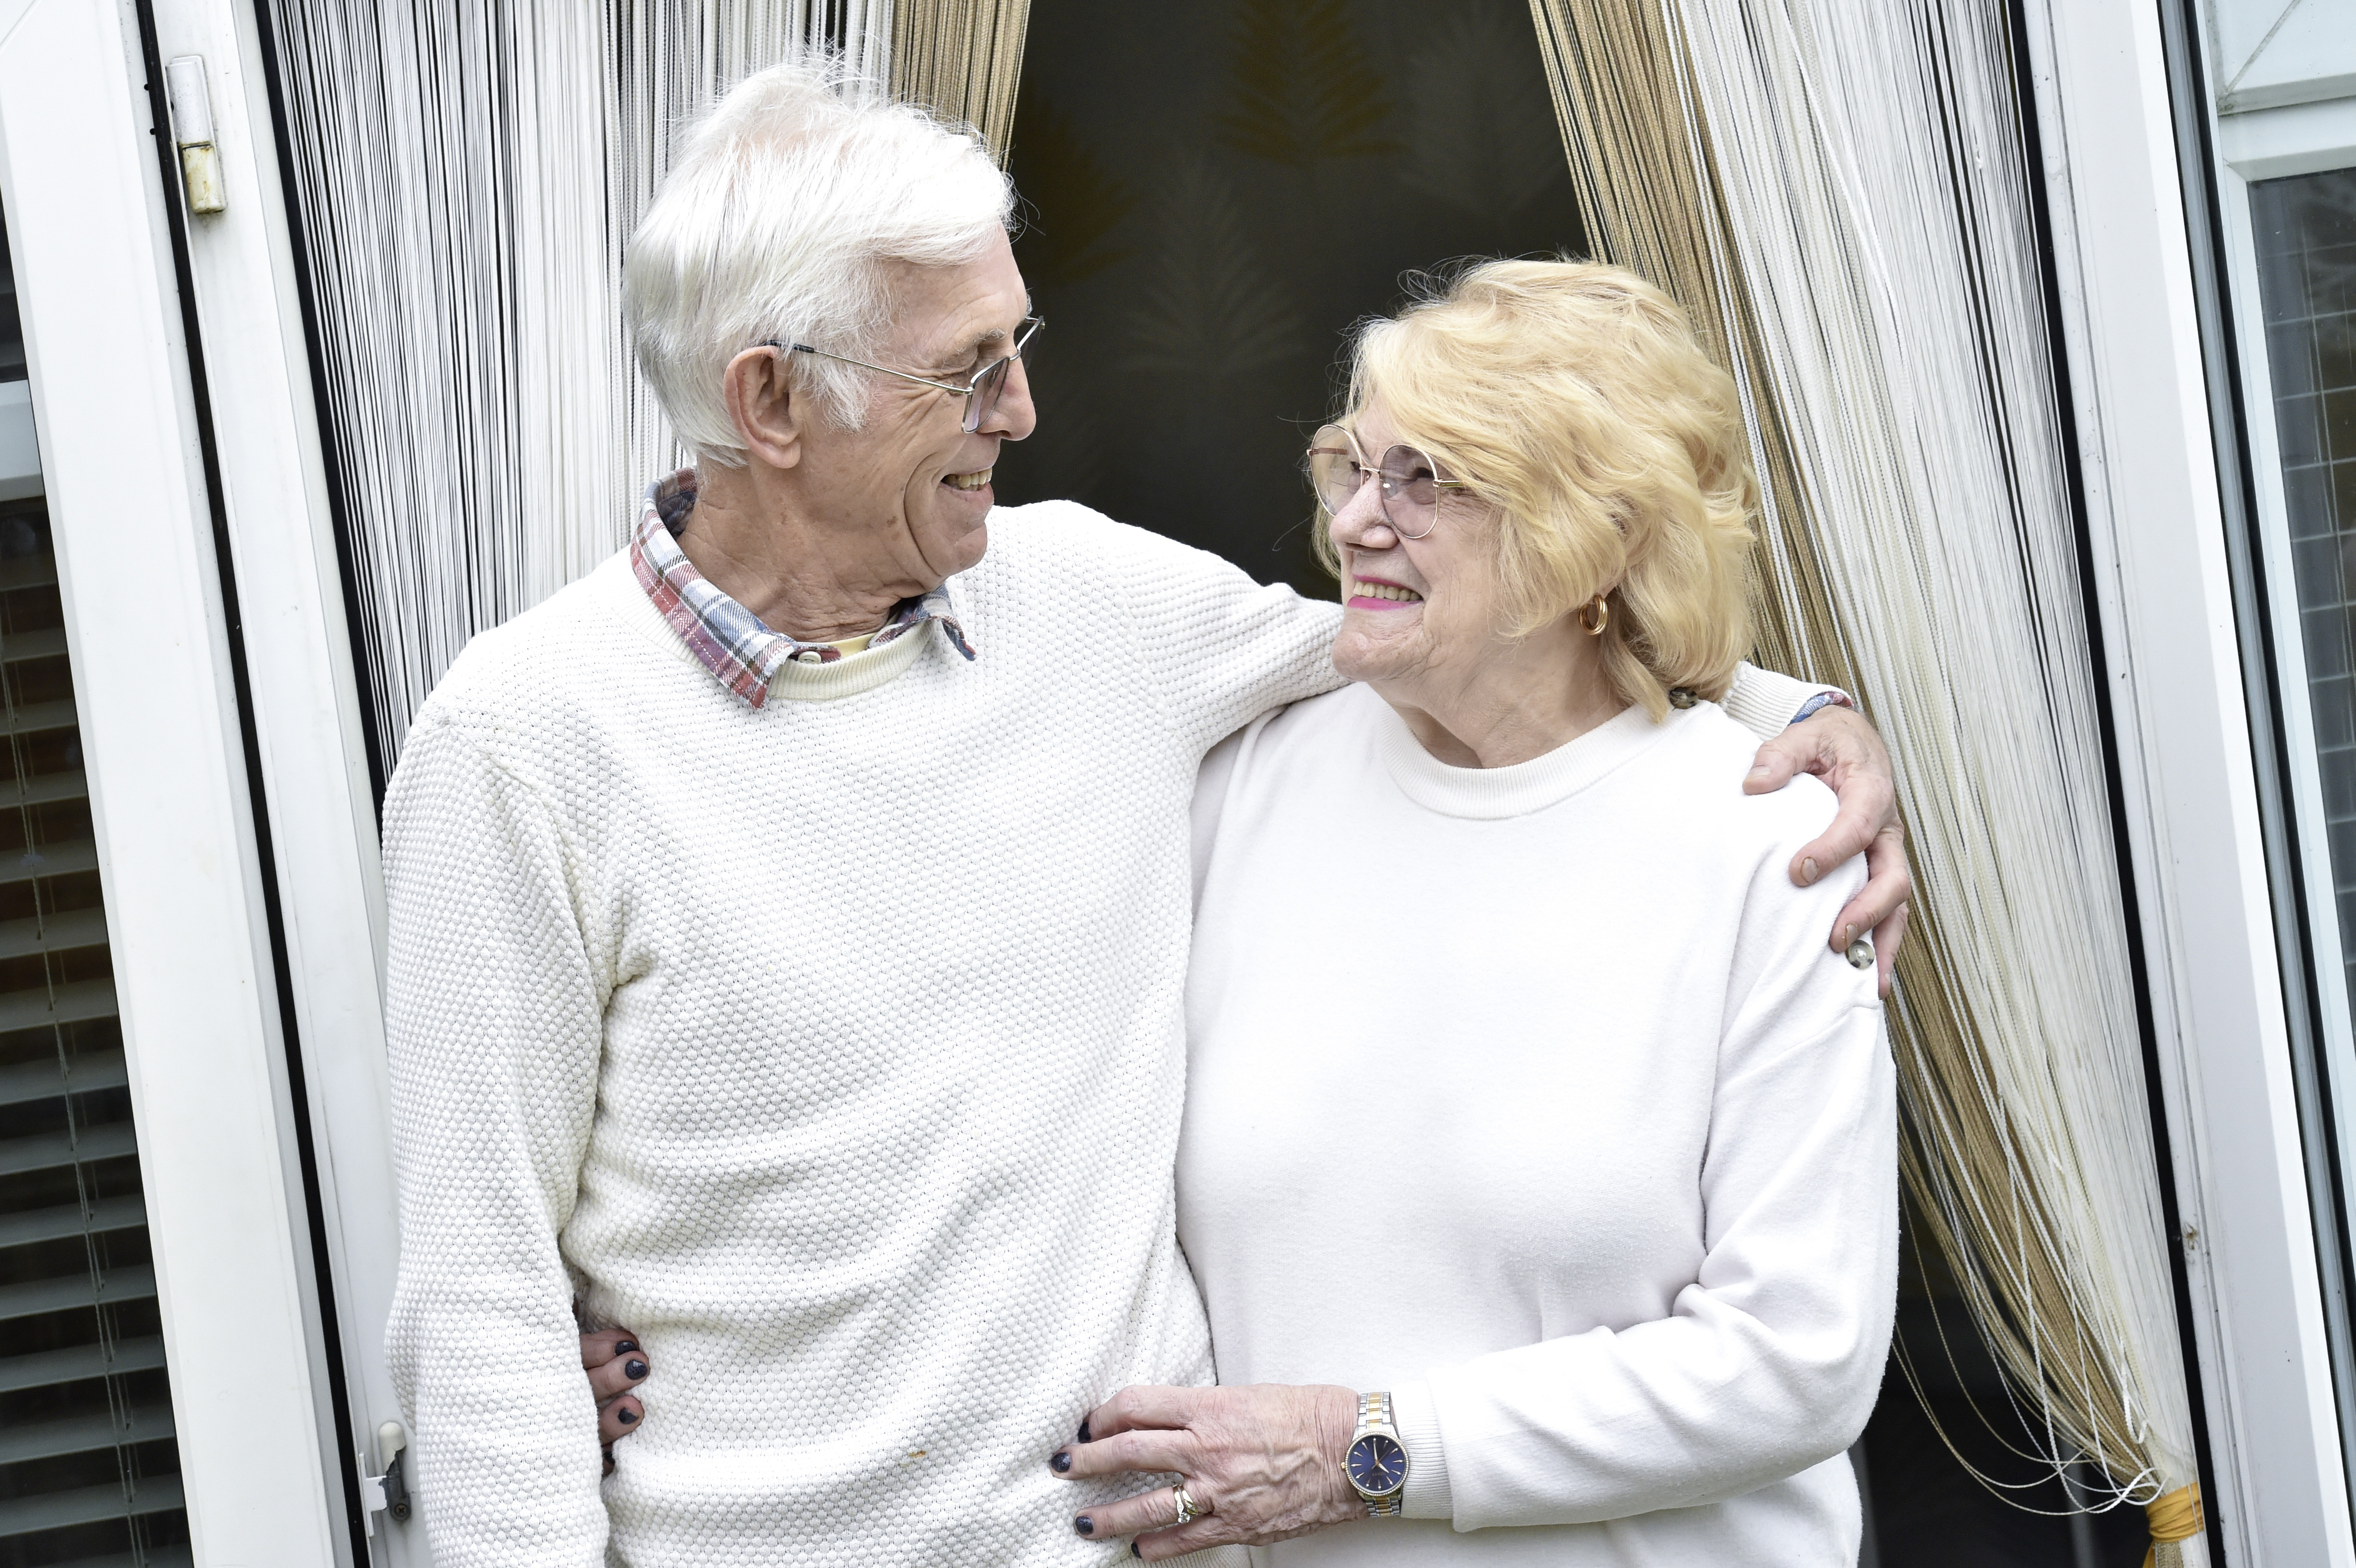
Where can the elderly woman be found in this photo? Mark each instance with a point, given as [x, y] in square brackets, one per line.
[1538, 1164]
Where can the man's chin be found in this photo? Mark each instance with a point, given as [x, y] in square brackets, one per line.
[961, 550]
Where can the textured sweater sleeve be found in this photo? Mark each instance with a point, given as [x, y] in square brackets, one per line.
[1764, 701]
[1220, 648]
[1769, 1361]
[494, 1027]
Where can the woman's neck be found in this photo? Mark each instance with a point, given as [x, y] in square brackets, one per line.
[1518, 701]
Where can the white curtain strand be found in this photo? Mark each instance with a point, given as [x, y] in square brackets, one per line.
[1880, 213]
[466, 173]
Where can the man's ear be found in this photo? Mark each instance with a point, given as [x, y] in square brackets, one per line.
[767, 412]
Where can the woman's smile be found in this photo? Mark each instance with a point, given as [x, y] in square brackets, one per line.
[1374, 593]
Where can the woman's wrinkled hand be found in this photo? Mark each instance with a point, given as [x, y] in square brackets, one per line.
[616, 1365]
[1263, 1463]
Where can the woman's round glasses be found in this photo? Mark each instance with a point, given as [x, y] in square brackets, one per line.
[1408, 483]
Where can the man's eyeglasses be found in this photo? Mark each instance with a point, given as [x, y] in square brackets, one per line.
[980, 392]
[1407, 481]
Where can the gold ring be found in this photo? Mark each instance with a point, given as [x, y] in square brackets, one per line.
[1189, 1511]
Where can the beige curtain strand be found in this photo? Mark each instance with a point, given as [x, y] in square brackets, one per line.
[2025, 1106]
[964, 57]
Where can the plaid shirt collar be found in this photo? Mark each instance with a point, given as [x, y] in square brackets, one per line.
[726, 638]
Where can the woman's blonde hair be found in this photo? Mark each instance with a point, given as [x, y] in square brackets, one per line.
[1573, 398]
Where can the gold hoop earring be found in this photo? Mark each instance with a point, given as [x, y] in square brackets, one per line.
[1595, 616]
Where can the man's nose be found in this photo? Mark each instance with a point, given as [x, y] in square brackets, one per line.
[1016, 415]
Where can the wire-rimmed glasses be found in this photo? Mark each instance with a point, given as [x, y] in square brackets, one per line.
[980, 392]
[1407, 482]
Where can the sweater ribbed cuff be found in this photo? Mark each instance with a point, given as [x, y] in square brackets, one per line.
[1765, 702]
[1427, 1494]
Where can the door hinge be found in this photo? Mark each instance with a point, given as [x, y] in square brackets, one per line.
[386, 1493]
[191, 105]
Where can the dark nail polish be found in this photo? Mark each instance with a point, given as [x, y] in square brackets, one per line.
[1061, 1462]
[624, 1347]
[1084, 1436]
[1085, 1525]
[634, 1370]
[627, 1416]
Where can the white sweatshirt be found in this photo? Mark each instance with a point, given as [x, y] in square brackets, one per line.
[1534, 1095]
[835, 1047]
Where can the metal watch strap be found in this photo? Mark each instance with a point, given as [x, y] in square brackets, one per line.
[1374, 1410]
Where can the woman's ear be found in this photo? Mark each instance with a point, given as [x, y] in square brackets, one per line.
[763, 405]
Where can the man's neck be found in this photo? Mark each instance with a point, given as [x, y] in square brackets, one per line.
[752, 541]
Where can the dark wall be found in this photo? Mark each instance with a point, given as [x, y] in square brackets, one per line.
[1213, 192]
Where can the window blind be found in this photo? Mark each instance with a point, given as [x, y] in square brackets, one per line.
[89, 1471]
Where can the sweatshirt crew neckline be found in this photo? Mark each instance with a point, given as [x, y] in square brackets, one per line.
[1496, 794]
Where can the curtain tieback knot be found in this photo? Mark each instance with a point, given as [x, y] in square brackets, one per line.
[2173, 1517]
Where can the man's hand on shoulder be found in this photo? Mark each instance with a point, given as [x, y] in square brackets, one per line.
[616, 1365]
[1840, 747]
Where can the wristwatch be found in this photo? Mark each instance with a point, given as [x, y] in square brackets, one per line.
[1376, 1460]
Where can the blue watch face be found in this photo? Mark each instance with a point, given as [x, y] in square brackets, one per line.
[1377, 1464]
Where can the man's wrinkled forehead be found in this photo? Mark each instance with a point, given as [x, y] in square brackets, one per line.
[943, 333]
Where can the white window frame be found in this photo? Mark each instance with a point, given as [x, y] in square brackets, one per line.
[2165, 598]
[121, 455]
[306, 708]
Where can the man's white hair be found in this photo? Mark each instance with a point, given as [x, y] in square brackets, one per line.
[774, 224]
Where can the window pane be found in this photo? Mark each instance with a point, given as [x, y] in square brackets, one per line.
[2305, 230]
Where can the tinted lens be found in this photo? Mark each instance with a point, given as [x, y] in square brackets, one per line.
[1409, 475]
[1410, 491]
[1332, 469]
[987, 386]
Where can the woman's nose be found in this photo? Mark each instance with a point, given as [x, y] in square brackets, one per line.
[1361, 525]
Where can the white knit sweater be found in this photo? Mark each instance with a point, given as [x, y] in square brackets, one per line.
[835, 1047]
[1534, 1095]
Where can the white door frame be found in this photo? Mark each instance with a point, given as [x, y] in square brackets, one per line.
[2166, 601]
[121, 459]
[307, 709]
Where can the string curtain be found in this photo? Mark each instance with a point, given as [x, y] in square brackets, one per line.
[1838, 192]
[465, 174]
[964, 59]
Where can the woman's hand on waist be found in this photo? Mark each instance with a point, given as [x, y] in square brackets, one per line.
[1260, 1463]
[616, 1365]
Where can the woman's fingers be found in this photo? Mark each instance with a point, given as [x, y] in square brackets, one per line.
[1198, 1536]
[1152, 1450]
[624, 1372]
[617, 1418]
[605, 1344]
[615, 1364]
[1140, 1406]
[1156, 1509]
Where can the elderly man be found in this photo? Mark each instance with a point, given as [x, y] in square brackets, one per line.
[789, 918]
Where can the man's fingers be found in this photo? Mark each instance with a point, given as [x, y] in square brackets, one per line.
[605, 1344]
[1886, 938]
[1777, 760]
[1867, 808]
[1888, 884]
[619, 1375]
[1150, 1450]
[620, 1418]
[1156, 1509]
[1144, 1406]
